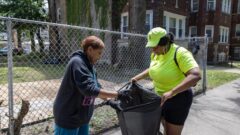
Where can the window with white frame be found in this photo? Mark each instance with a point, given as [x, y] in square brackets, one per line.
[237, 30]
[164, 22]
[224, 34]
[174, 23]
[238, 9]
[237, 53]
[180, 31]
[211, 5]
[148, 21]
[209, 29]
[193, 31]
[124, 24]
[226, 6]
[194, 5]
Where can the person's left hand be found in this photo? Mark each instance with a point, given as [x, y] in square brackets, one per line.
[166, 96]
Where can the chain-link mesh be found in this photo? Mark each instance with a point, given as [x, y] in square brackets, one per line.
[40, 53]
[198, 47]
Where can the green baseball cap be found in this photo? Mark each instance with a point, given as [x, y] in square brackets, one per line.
[154, 35]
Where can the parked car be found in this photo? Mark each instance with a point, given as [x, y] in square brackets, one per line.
[53, 60]
[4, 51]
[16, 51]
[26, 50]
[3, 36]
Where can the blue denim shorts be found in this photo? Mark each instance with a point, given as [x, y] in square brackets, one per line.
[83, 130]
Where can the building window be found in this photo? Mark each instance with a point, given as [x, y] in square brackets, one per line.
[194, 5]
[164, 22]
[148, 21]
[238, 10]
[211, 4]
[209, 29]
[180, 31]
[236, 54]
[224, 33]
[226, 6]
[193, 31]
[174, 23]
[125, 23]
[238, 30]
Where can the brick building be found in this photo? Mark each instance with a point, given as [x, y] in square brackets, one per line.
[219, 19]
[235, 31]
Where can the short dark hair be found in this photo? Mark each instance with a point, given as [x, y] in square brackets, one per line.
[93, 41]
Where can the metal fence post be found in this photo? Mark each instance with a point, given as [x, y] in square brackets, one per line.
[10, 78]
[204, 83]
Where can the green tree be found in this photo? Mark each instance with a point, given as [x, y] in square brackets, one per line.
[25, 9]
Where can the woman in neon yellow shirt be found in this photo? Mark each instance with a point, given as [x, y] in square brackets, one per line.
[171, 81]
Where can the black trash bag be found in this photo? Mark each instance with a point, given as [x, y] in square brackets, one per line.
[142, 115]
[139, 95]
[114, 104]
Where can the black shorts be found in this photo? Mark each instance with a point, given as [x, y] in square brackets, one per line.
[176, 109]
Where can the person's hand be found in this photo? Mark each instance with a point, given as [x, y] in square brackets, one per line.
[133, 80]
[105, 99]
[124, 95]
[115, 105]
[166, 96]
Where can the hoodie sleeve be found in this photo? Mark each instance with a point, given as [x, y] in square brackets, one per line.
[83, 78]
[99, 85]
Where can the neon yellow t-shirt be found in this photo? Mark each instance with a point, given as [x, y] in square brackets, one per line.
[165, 73]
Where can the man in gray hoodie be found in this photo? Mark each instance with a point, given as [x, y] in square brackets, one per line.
[74, 103]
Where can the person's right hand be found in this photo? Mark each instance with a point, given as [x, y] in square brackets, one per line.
[166, 96]
[133, 80]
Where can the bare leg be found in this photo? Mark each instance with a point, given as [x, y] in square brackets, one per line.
[163, 123]
[171, 129]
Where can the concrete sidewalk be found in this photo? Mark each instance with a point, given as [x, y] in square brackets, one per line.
[216, 113]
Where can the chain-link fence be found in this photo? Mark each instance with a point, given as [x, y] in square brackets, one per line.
[32, 61]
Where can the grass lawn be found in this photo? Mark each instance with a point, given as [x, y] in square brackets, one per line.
[236, 64]
[35, 72]
[233, 64]
[216, 78]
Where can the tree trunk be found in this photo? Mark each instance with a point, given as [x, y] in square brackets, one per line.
[117, 6]
[54, 37]
[137, 14]
[40, 41]
[52, 10]
[19, 37]
[19, 120]
[32, 41]
[15, 39]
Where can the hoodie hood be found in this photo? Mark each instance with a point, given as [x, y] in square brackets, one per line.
[79, 53]
[84, 57]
